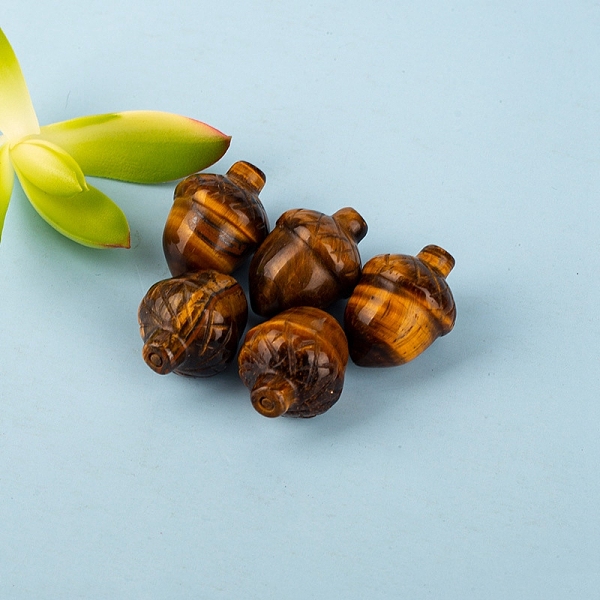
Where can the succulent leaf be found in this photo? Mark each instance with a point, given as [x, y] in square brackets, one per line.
[7, 178]
[48, 167]
[17, 116]
[50, 162]
[89, 217]
[139, 146]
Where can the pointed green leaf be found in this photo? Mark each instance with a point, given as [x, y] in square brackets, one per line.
[89, 217]
[7, 177]
[48, 167]
[17, 117]
[139, 146]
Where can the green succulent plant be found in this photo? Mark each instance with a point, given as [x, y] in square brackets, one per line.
[51, 162]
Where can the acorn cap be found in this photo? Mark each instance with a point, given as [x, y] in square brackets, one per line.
[245, 216]
[332, 238]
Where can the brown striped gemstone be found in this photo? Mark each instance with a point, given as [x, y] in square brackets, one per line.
[400, 306]
[216, 221]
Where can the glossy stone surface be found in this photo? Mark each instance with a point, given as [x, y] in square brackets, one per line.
[401, 305]
[192, 324]
[309, 259]
[216, 221]
[294, 364]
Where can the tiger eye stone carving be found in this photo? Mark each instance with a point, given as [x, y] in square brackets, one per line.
[309, 259]
[401, 305]
[192, 324]
[294, 364]
[216, 221]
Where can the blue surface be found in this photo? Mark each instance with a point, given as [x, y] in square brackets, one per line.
[471, 472]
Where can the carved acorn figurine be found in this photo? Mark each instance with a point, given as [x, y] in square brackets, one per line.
[309, 259]
[294, 364]
[192, 324]
[216, 221]
[401, 305]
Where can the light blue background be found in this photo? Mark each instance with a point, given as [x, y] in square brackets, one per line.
[472, 472]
